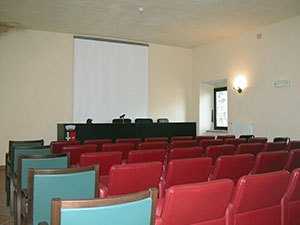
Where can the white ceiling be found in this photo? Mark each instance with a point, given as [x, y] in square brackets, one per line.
[184, 23]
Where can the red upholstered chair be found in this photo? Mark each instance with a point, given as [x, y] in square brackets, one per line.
[183, 153]
[131, 178]
[269, 161]
[134, 141]
[157, 139]
[293, 161]
[262, 140]
[154, 145]
[232, 167]
[274, 146]
[184, 171]
[77, 150]
[181, 138]
[257, 199]
[200, 203]
[105, 159]
[235, 141]
[98, 142]
[224, 137]
[293, 145]
[183, 144]
[199, 138]
[125, 148]
[291, 200]
[210, 142]
[146, 156]
[215, 151]
[56, 146]
[252, 148]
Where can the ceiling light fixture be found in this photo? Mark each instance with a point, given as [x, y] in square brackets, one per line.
[141, 9]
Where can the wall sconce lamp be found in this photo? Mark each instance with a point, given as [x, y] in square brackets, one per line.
[239, 83]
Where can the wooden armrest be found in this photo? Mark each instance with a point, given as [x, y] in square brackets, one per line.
[42, 223]
[24, 193]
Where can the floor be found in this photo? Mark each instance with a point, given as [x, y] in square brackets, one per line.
[5, 218]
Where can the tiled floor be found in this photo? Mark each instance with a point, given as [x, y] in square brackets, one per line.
[5, 218]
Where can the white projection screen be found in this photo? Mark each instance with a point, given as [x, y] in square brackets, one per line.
[110, 79]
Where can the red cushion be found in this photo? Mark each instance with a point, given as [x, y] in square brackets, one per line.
[153, 145]
[293, 161]
[77, 150]
[274, 146]
[182, 153]
[98, 142]
[215, 151]
[134, 141]
[253, 148]
[183, 144]
[146, 156]
[125, 148]
[56, 146]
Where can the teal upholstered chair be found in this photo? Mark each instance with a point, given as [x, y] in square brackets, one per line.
[57, 161]
[44, 185]
[28, 150]
[133, 209]
[8, 161]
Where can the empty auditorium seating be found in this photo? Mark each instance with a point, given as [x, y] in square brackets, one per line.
[184, 171]
[77, 150]
[56, 146]
[215, 151]
[252, 148]
[134, 141]
[181, 138]
[131, 178]
[200, 203]
[257, 199]
[235, 141]
[182, 153]
[291, 200]
[132, 209]
[156, 139]
[125, 148]
[274, 146]
[269, 161]
[224, 137]
[98, 142]
[210, 142]
[146, 156]
[293, 145]
[183, 144]
[232, 167]
[293, 161]
[153, 145]
[262, 140]
[199, 138]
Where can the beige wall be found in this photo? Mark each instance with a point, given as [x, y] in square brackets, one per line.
[273, 111]
[36, 70]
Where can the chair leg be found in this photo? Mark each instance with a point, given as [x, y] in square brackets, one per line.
[11, 197]
[17, 208]
[8, 191]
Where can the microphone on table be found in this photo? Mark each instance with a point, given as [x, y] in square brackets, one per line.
[122, 116]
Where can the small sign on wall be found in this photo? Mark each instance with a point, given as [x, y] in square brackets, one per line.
[282, 83]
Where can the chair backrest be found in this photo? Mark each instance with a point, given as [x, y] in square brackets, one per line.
[235, 141]
[183, 153]
[146, 156]
[154, 145]
[184, 171]
[224, 137]
[34, 150]
[57, 146]
[98, 142]
[247, 136]
[134, 141]
[26, 143]
[118, 121]
[71, 183]
[133, 209]
[269, 162]
[293, 145]
[181, 138]
[215, 151]
[125, 148]
[143, 120]
[135, 177]
[274, 146]
[252, 148]
[210, 142]
[183, 144]
[281, 139]
[163, 120]
[232, 166]
[105, 159]
[25, 162]
[77, 150]
[156, 139]
[199, 203]
[291, 200]
[262, 140]
[257, 199]
[199, 138]
[293, 161]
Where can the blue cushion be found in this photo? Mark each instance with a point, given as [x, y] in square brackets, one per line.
[133, 213]
[44, 163]
[64, 186]
[26, 144]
